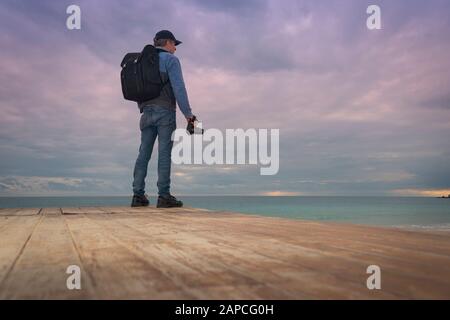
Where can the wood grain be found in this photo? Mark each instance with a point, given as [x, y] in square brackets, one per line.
[188, 253]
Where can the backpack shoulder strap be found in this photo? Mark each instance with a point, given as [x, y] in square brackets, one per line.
[168, 80]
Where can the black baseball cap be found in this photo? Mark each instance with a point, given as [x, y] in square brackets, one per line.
[166, 34]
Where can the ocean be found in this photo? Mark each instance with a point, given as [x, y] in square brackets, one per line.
[408, 212]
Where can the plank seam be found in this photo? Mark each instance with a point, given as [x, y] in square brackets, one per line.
[91, 279]
[22, 249]
[22, 215]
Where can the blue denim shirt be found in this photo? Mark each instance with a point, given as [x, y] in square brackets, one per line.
[175, 90]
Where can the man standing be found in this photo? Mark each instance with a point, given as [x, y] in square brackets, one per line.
[158, 120]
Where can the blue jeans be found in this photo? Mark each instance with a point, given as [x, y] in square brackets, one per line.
[156, 121]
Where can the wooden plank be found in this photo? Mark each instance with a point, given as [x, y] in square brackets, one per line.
[91, 210]
[268, 226]
[193, 262]
[185, 253]
[28, 212]
[363, 238]
[14, 236]
[420, 262]
[161, 222]
[20, 212]
[71, 210]
[8, 211]
[130, 210]
[51, 211]
[343, 263]
[116, 210]
[4, 220]
[118, 272]
[40, 271]
[168, 262]
[189, 224]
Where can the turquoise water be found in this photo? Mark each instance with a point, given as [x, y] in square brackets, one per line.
[390, 211]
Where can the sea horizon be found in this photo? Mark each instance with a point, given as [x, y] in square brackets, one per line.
[416, 212]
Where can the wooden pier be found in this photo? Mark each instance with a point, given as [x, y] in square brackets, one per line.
[187, 253]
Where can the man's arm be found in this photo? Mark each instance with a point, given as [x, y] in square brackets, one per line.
[177, 83]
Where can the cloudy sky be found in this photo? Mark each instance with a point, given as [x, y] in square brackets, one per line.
[360, 112]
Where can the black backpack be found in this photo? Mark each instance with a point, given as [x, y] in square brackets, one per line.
[140, 77]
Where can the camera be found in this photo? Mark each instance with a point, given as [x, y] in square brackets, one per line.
[192, 127]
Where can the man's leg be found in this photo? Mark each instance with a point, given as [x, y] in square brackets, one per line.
[148, 137]
[165, 145]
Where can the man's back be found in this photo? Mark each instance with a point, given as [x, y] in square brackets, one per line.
[174, 91]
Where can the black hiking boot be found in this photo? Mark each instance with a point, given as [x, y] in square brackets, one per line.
[168, 201]
[139, 201]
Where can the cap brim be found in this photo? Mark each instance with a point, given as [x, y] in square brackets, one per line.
[177, 42]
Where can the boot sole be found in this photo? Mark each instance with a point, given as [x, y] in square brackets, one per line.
[140, 205]
[167, 206]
